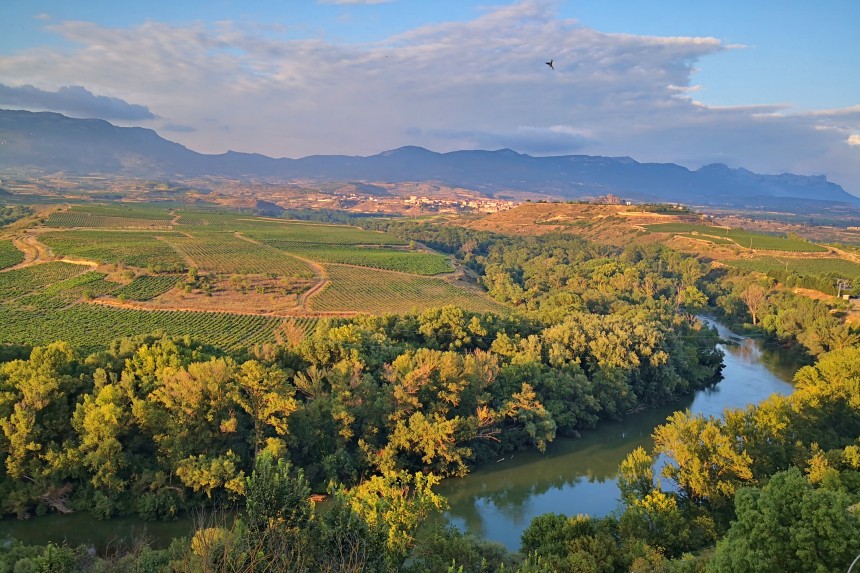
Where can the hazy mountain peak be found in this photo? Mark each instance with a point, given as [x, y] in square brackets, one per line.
[52, 142]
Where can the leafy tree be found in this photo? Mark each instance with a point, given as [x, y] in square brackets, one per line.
[754, 296]
[274, 498]
[788, 525]
[399, 502]
[266, 397]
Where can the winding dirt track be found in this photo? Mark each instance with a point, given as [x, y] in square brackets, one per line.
[319, 271]
[36, 252]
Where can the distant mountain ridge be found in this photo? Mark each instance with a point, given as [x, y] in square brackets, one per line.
[53, 142]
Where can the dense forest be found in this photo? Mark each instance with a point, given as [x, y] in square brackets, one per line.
[373, 410]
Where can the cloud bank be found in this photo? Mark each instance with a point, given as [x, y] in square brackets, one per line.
[475, 84]
[74, 100]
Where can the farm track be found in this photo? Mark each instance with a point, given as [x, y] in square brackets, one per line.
[319, 271]
[36, 253]
[185, 256]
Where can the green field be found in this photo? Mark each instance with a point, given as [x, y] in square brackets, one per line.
[375, 257]
[142, 249]
[147, 287]
[354, 289]
[9, 255]
[822, 266]
[93, 327]
[224, 253]
[747, 239]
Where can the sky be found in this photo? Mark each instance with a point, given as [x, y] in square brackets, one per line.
[771, 87]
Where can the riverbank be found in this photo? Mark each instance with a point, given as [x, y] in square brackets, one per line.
[578, 476]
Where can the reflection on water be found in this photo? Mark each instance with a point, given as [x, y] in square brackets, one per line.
[82, 529]
[578, 475]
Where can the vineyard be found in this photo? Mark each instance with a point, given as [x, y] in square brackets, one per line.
[224, 253]
[133, 248]
[65, 293]
[123, 211]
[375, 257]
[68, 219]
[23, 281]
[372, 291]
[320, 234]
[147, 287]
[9, 255]
[747, 239]
[818, 266]
[93, 327]
[256, 280]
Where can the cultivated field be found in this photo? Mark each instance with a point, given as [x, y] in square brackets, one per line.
[9, 255]
[97, 272]
[355, 289]
[742, 238]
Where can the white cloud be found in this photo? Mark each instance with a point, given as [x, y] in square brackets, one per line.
[480, 83]
[74, 100]
[854, 139]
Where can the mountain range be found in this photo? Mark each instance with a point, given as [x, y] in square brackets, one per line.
[51, 142]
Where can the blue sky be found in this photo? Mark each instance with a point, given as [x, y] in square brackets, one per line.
[769, 86]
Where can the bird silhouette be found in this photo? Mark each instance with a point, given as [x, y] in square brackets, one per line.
[549, 63]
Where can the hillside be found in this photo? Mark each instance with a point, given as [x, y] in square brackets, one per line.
[783, 255]
[50, 142]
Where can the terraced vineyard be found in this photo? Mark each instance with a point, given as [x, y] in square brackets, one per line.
[810, 266]
[224, 253]
[91, 327]
[375, 257]
[133, 248]
[9, 255]
[28, 279]
[371, 291]
[250, 269]
[747, 239]
[147, 287]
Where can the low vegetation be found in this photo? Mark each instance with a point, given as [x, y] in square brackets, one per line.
[143, 249]
[9, 255]
[742, 238]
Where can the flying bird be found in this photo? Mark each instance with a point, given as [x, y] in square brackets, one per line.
[549, 63]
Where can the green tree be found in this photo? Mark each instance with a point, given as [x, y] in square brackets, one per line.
[267, 398]
[274, 498]
[789, 526]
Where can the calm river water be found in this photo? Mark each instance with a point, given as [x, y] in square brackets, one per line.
[498, 502]
[576, 476]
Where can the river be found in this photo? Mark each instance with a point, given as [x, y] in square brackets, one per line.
[498, 502]
[578, 476]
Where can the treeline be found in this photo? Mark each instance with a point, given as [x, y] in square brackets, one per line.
[11, 213]
[154, 425]
[822, 282]
[754, 305]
